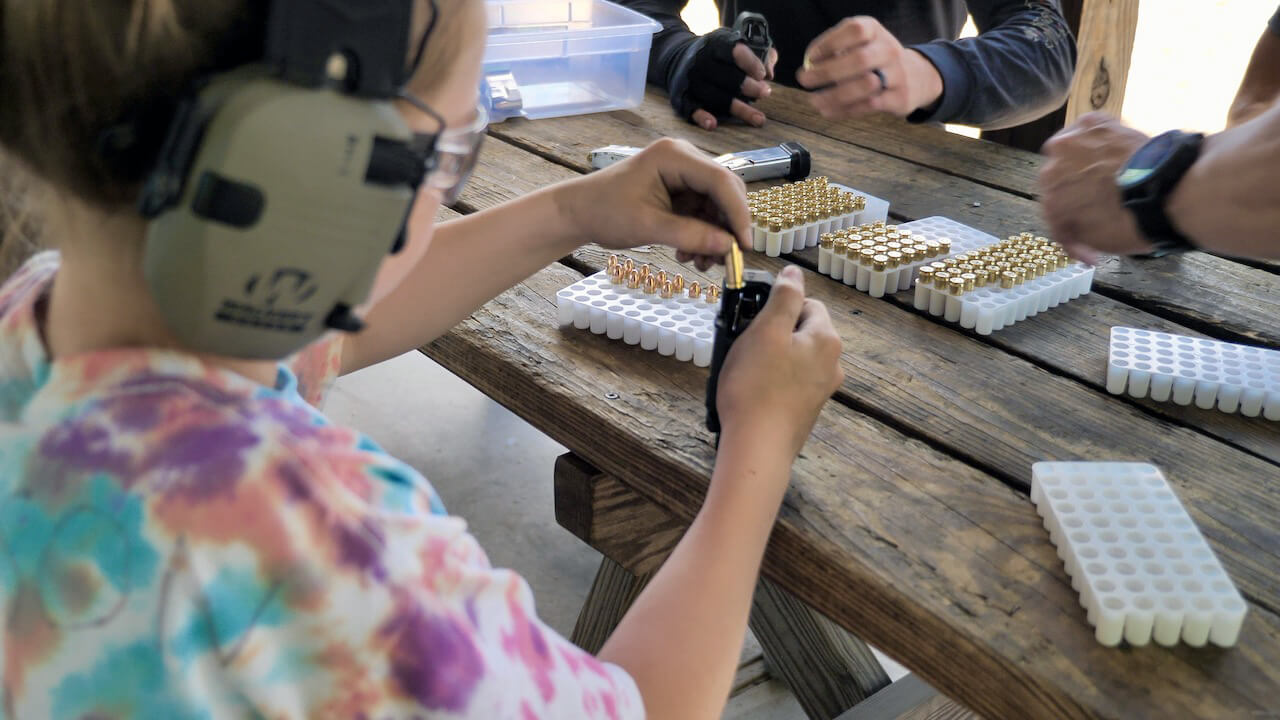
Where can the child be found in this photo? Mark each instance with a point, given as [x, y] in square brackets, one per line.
[184, 536]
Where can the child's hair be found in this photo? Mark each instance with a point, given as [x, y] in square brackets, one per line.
[19, 226]
[71, 69]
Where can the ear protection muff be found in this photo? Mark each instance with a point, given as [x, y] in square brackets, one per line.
[282, 185]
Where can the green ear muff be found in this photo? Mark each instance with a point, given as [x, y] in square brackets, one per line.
[273, 207]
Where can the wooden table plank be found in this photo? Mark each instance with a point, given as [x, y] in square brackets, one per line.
[998, 411]
[1003, 414]
[1219, 297]
[1071, 340]
[986, 615]
[997, 166]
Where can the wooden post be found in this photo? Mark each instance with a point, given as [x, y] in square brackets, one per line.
[1104, 31]
[1105, 42]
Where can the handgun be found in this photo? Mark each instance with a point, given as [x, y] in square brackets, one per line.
[754, 29]
[744, 296]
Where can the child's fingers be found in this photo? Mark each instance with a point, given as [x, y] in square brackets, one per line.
[786, 300]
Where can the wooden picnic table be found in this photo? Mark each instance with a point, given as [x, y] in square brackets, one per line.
[907, 521]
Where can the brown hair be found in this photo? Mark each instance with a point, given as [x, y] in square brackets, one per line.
[70, 69]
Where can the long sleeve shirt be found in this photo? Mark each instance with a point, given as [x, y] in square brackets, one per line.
[1018, 68]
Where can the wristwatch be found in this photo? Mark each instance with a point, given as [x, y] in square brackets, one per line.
[1147, 180]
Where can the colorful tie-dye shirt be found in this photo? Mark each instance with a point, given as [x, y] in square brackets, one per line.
[179, 542]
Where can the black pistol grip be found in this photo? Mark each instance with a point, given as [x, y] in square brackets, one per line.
[719, 351]
[737, 309]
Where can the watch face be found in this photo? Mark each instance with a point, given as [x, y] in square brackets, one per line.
[1131, 176]
[1146, 160]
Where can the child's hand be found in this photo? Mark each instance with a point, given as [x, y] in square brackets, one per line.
[781, 371]
[669, 194]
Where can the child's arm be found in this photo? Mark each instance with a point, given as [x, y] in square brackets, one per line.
[473, 259]
[680, 641]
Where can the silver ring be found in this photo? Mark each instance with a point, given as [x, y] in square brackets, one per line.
[884, 84]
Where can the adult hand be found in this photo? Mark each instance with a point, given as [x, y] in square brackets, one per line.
[670, 193]
[1081, 201]
[782, 370]
[717, 77]
[859, 67]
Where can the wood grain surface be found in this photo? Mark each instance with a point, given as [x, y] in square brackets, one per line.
[922, 554]
[907, 520]
[999, 411]
[1214, 295]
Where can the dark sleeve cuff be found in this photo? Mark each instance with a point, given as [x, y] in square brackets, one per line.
[957, 85]
[1275, 22]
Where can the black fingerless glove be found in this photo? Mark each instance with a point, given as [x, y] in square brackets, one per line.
[706, 75]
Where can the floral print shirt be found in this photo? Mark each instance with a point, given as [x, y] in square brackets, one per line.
[179, 542]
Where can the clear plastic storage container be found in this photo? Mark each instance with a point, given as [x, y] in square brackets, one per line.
[550, 58]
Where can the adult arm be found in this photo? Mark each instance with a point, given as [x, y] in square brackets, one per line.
[1228, 201]
[1017, 69]
[1261, 84]
[670, 42]
[707, 77]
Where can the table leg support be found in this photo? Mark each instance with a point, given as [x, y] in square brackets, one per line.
[827, 668]
[612, 593]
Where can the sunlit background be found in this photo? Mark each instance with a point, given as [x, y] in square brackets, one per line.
[1188, 58]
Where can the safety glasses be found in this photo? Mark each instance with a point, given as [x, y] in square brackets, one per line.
[456, 150]
[449, 156]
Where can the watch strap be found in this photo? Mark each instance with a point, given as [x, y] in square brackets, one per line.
[1146, 201]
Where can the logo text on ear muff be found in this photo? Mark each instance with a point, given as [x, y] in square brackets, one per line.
[272, 300]
[291, 284]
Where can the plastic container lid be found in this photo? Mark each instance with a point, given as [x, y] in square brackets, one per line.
[521, 21]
